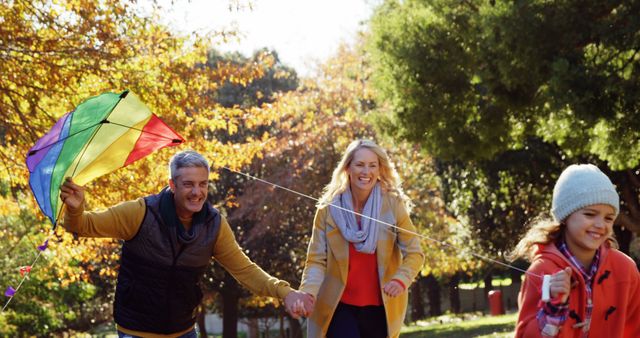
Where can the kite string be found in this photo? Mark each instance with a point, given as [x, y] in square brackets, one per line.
[442, 243]
[27, 272]
[41, 249]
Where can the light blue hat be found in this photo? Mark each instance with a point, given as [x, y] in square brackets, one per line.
[581, 185]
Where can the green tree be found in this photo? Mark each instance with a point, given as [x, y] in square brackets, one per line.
[471, 80]
[276, 79]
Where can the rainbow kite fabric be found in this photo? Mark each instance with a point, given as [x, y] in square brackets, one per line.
[102, 134]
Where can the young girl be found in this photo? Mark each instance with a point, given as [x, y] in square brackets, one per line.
[594, 288]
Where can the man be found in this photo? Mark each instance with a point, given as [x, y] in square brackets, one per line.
[169, 239]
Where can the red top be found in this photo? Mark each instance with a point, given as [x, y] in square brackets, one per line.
[363, 285]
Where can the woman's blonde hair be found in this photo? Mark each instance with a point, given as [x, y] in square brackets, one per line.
[389, 179]
[544, 230]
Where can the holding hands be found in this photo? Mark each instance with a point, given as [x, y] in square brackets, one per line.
[299, 304]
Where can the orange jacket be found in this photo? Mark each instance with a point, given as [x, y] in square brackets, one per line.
[616, 296]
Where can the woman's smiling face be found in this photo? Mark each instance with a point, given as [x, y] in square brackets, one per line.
[364, 171]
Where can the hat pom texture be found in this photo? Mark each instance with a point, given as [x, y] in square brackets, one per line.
[581, 185]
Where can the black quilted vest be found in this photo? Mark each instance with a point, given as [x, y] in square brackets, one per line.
[161, 267]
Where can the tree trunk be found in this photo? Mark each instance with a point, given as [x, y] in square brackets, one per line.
[433, 293]
[295, 328]
[230, 297]
[516, 276]
[515, 284]
[254, 328]
[281, 322]
[454, 293]
[417, 302]
[623, 236]
[627, 184]
[201, 326]
[488, 280]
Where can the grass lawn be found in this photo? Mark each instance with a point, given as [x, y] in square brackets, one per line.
[462, 326]
[497, 282]
[446, 326]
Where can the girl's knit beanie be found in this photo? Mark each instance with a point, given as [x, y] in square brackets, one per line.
[581, 185]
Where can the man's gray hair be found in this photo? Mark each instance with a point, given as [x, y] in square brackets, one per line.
[184, 159]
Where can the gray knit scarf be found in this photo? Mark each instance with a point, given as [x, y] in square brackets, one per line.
[366, 238]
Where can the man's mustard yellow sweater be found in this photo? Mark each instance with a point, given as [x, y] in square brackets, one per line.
[123, 220]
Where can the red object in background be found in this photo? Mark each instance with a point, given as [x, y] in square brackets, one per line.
[495, 303]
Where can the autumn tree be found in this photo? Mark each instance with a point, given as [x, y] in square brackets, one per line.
[55, 55]
[323, 116]
[247, 100]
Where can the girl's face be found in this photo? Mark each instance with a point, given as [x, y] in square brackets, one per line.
[588, 228]
[363, 170]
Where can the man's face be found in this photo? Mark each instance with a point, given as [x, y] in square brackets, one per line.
[190, 190]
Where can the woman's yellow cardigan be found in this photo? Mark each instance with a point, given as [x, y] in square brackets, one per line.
[399, 256]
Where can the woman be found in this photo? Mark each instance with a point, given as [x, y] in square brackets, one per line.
[358, 269]
[594, 288]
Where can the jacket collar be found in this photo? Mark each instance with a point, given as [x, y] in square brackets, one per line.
[551, 252]
[170, 217]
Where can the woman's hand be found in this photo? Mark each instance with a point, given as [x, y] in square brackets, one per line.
[393, 288]
[299, 304]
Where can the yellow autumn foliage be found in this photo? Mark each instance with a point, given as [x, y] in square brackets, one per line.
[57, 53]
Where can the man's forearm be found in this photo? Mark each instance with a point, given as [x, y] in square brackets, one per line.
[121, 221]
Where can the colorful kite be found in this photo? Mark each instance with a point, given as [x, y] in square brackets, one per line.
[102, 134]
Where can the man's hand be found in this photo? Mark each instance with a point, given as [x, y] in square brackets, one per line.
[393, 289]
[299, 303]
[71, 194]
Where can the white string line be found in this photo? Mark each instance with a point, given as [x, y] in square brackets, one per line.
[442, 243]
[26, 274]
[383, 222]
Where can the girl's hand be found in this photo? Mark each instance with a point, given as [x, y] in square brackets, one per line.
[560, 285]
